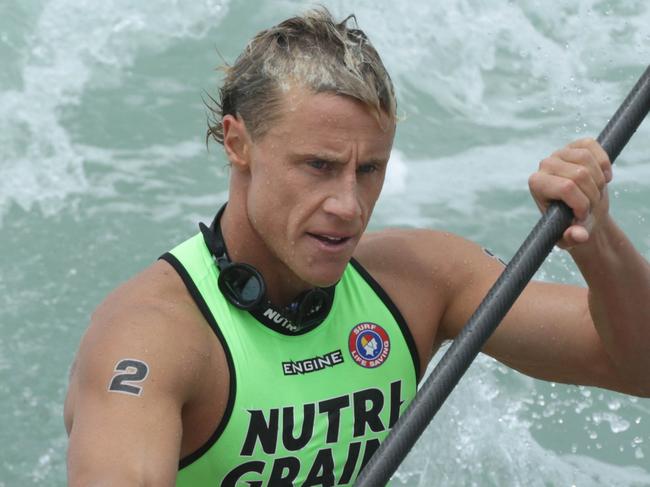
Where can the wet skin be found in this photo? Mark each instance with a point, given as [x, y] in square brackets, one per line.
[305, 189]
[301, 196]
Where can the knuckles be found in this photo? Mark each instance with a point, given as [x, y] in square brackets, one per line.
[581, 174]
[586, 142]
[547, 164]
[534, 181]
[584, 157]
[566, 188]
[572, 174]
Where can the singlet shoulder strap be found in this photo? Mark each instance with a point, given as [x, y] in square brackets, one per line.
[392, 307]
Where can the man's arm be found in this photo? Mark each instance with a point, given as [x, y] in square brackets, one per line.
[619, 300]
[548, 334]
[134, 372]
[563, 333]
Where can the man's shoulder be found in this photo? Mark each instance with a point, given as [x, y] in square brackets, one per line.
[147, 328]
[420, 258]
[145, 359]
[406, 250]
[407, 262]
[156, 292]
[151, 314]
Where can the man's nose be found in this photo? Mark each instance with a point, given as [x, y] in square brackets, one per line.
[344, 200]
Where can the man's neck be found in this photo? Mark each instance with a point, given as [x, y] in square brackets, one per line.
[244, 244]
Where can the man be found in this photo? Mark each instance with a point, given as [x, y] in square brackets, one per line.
[279, 345]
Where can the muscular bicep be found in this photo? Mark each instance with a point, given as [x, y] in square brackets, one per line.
[547, 334]
[123, 409]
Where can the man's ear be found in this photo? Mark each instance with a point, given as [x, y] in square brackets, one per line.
[236, 141]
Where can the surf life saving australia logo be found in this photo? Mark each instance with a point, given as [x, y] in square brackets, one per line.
[369, 345]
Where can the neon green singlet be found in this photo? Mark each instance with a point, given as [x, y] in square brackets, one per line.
[306, 409]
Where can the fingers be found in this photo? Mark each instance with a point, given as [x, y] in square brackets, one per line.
[577, 175]
[561, 188]
[582, 165]
[574, 235]
[599, 154]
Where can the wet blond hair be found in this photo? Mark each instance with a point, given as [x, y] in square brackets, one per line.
[310, 51]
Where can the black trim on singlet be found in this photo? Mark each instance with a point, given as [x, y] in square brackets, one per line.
[388, 302]
[207, 314]
[258, 314]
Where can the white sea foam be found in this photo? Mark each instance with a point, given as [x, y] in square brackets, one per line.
[395, 182]
[473, 57]
[454, 182]
[481, 437]
[73, 44]
[419, 192]
[476, 57]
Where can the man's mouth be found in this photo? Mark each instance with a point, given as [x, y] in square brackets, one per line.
[329, 239]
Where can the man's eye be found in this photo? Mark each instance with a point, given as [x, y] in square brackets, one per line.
[367, 168]
[318, 164]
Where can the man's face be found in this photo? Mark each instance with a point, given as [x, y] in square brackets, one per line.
[314, 179]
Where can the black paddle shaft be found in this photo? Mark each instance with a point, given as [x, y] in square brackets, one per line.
[496, 304]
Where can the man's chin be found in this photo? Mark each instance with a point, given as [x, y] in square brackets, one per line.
[327, 277]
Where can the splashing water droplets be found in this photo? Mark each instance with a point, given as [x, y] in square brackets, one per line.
[72, 45]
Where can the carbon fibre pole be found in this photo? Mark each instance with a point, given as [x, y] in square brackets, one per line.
[496, 303]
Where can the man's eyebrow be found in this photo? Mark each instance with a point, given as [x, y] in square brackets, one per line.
[332, 158]
[321, 156]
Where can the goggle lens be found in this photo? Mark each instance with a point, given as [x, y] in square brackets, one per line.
[242, 284]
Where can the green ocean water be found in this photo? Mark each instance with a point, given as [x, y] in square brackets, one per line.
[103, 167]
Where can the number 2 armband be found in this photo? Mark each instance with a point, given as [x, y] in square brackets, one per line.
[128, 374]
